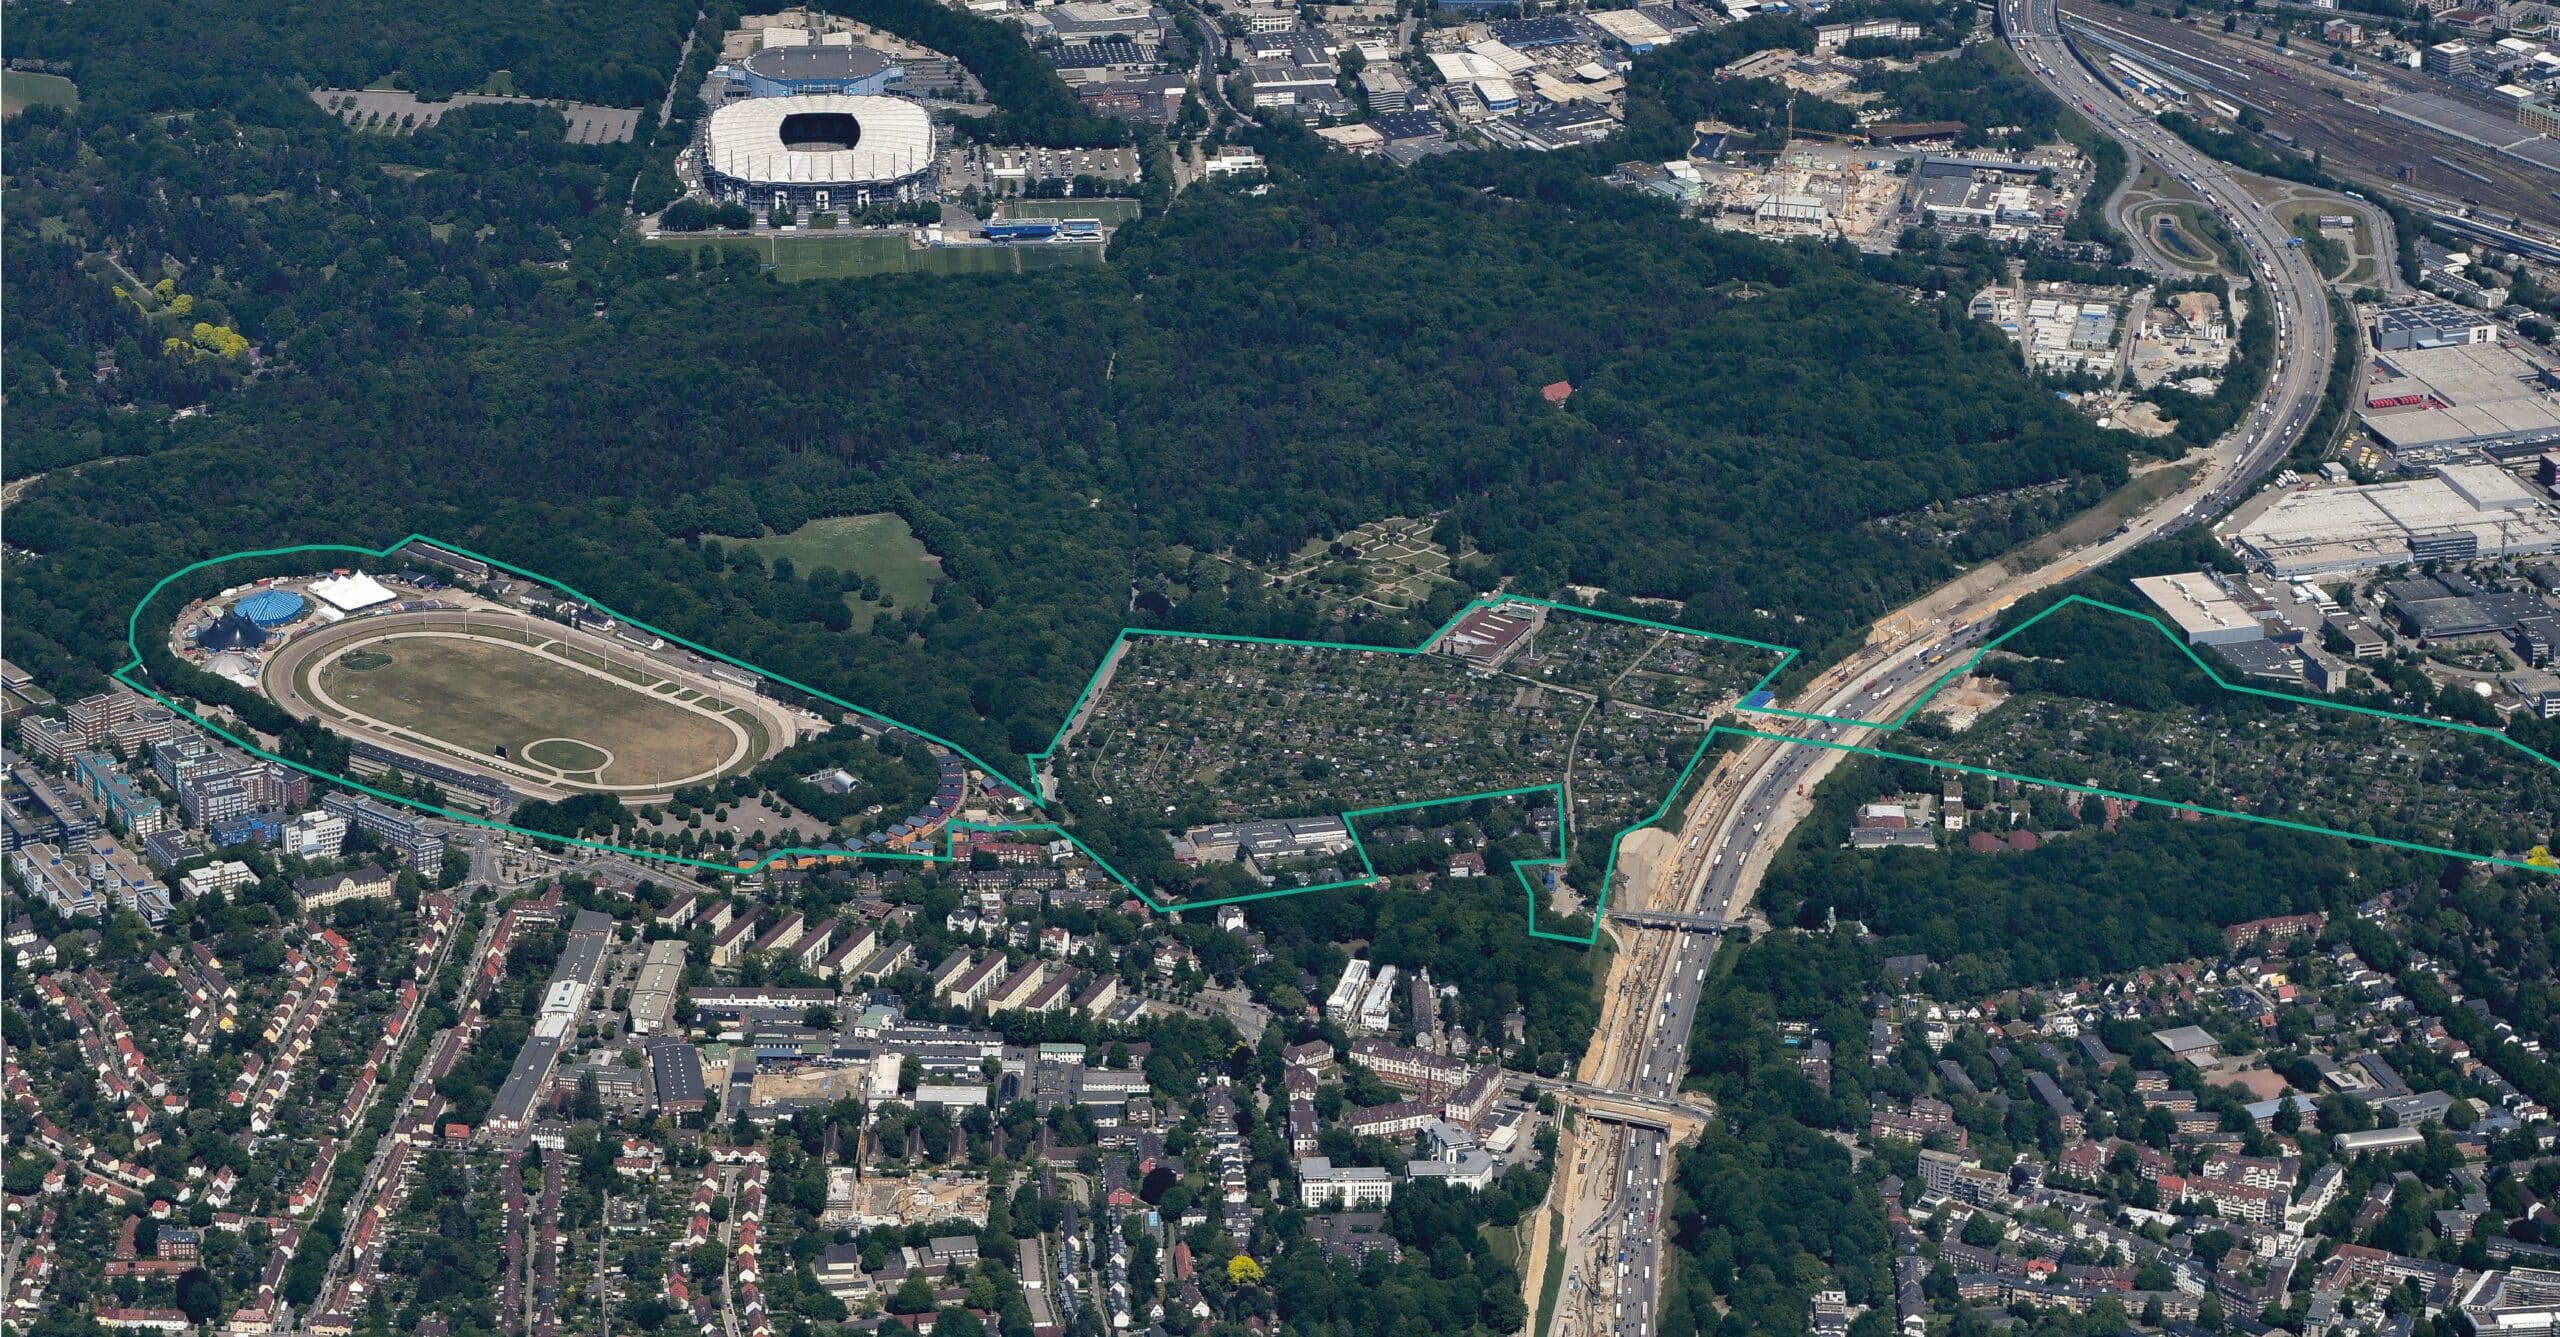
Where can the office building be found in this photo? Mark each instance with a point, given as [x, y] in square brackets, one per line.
[40, 810]
[1322, 1185]
[318, 834]
[128, 721]
[405, 833]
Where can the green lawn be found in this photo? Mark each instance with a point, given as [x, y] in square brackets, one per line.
[854, 255]
[20, 90]
[880, 546]
[1112, 212]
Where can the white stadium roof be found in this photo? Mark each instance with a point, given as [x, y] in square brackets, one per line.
[745, 141]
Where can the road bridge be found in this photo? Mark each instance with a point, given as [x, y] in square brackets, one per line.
[1669, 919]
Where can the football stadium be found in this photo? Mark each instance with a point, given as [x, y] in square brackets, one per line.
[821, 151]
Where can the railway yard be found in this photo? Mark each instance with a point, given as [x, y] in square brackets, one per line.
[2381, 125]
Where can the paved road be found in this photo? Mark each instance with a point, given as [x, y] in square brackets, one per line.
[1757, 795]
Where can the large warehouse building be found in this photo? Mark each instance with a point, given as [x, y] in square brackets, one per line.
[2445, 400]
[2205, 613]
[822, 151]
[2462, 512]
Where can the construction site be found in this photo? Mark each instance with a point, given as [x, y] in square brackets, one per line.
[2186, 340]
[1812, 190]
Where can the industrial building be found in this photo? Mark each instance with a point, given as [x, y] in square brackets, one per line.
[2431, 325]
[2434, 403]
[2461, 512]
[2204, 612]
[675, 1067]
[1288, 838]
[1979, 192]
[1488, 636]
[820, 152]
[581, 967]
[653, 995]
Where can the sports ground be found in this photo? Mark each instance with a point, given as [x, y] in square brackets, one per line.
[567, 754]
[526, 700]
[856, 255]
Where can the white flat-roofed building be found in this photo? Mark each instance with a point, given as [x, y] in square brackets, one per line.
[1321, 1184]
[317, 833]
[2488, 487]
[2514, 1301]
[2202, 610]
[653, 994]
[1376, 1003]
[215, 877]
[2437, 402]
[1343, 1004]
[936, 1094]
[1510, 62]
[1634, 30]
[1460, 67]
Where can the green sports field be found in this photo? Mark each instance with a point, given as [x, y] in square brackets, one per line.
[1112, 212]
[854, 255]
[20, 89]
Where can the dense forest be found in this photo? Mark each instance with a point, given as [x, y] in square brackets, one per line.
[167, 56]
[447, 332]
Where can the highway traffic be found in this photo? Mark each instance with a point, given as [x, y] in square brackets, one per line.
[1758, 794]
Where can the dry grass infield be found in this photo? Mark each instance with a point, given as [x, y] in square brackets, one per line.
[481, 695]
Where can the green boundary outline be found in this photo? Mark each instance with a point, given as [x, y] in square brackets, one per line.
[134, 674]
[1351, 823]
[1922, 701]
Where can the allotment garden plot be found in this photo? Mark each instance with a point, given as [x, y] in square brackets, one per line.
[1190, 730]
[2135, 721]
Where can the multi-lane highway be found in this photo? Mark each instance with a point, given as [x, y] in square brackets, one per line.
[2303, 333]
[1757, 794]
